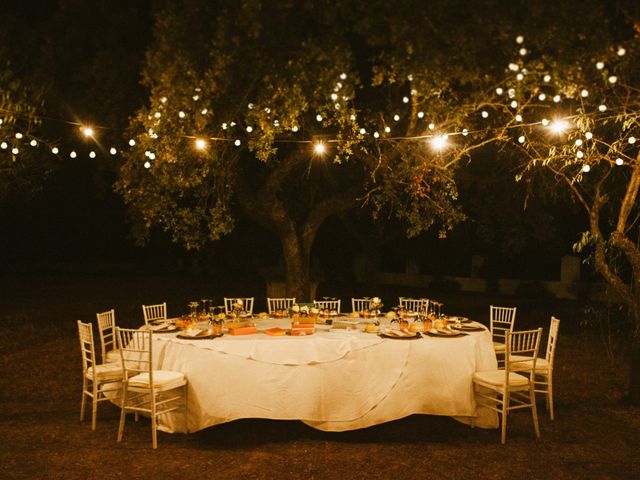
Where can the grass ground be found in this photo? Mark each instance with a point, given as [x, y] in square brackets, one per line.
[594, 435]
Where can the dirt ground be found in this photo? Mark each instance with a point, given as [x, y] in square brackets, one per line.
[594, 436]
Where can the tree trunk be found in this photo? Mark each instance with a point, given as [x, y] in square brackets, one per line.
[297, 267]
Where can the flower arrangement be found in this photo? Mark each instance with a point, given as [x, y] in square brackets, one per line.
[376, 305]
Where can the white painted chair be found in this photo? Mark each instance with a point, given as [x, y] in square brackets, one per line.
[414, 304]
[274, 304]
[544, 366]
[144, 389]
[108, 340]
[97, 379]
[247, 304]
[504, 390]
[360, 304]
[501, 321]
[154, 313]
[328, 305]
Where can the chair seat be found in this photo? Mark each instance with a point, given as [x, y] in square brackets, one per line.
[497, 378]
[542, 366]
[112, 356]
[499, 347]
[106, 371]
[162, 380]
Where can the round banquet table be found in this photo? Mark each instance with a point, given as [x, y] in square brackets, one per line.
[333, 380]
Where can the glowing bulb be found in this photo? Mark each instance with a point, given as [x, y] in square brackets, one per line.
[157, 115]
[519, 39]
[181, 114]
[518, 118]
[556, 98]
[602, 108]
[19, 136]
[511, 92]
[514, 67]
[579, 154]
[405, 99]
[163, 99]
[584, 93]
[542, 97]
[588, 135]
[376, 135]
[621, 51]
[546, 78]
[521, 139]
[73, 154]
[152, 156]
[294, 128]
[147, 164]
[343, 76]
[113, 151]
[613, 79]
[15, 150]
[319, 148]
[465, 132]
[237, 143]
[439, 142]
[249, 129]
[522, 52]
[387, 129]
[132, 142]
[352, 118]
[619, 161]
[87, 131]
[196, 98]
[485, 114]
[92, 154]
[319, 118]
[578, 143]
[586, 168]
[363, 131]
[204, 111]
[420, 114]
[514, 104]
[499, 91]
[33, 143]
[201, 144]
[632, 140]
[225, 126]
[55, 150]
[519, 77]
[559, 126]
[599, 65]
[396, 117]
[432, 126]
[3, 145]
[334, 96]
[545, 122]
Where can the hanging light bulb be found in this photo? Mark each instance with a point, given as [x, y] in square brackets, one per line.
[73, 154]
[237, 143]
[132, 142]
[15, 150]
[55, 150]
[113, 151]
[586, 168]
[619, 161]
[319, 148]
[147, 164]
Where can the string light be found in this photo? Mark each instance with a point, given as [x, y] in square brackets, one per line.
[19, 136]
[132, 142]
[73, 154]
[92, 154]
[33, 143]
[619, 161]
[632, 140]
[55, 150]
[237, 143]
[613, 79]
[586, 168]
[147, 164]
[113, 151]
[599, 65]
[578, 142]
[3, 145]
[15, 150]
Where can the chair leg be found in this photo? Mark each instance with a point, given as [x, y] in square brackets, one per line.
[122, 414]
[84, 398]
[505, 410]
[94, 405]
[550, 394]
[534, 410]
[154, 422]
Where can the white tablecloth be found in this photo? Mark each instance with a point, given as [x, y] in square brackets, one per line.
[332, 380]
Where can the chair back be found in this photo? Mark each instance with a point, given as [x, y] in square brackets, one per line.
[415, 304]
[551, 342]
[274, 304]
[154, 312]
[247, 304]
[135, 352]
[525, 345]
[107, 331]
[328, 304]
[501, 320]
[360, 304]
[87, 348]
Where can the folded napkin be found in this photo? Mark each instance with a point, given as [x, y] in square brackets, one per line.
[192, 332]
[160, 326]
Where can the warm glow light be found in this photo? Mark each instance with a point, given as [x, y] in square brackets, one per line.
[73, 154]
[499, 91]
[405, 99]
[514, 104]
[619, 161]
[521, 139]
[132, 142]
[92, 154]
[319, 118]
[113, 151]
[294, 128]
[432, 126]
[396, 117]
[465, 132]
[181, 114]
[518, 118]
[33, 143]
[363, 131]
[87, 131]
[420, 114]
[319, 148]
[584, 93]
[201, 144]
[520, 77]
[19, 136]
[439, 142]
[55, 150]
[387, 129]
[3, 145]
[632, 140]
[376, 135]
[522, 51]
[559, 126]
[519, 39]
[599, 65]
[147, 164]
[588, 135]
[542, 97]
[556, 98]
[578, 142]
[621, 51]
[580, 154]
[586, 168]
[613, 79]
[15, 150]
[547, 78]
[602, 108]
[485, 114]
[249, 129]
[237, 143]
